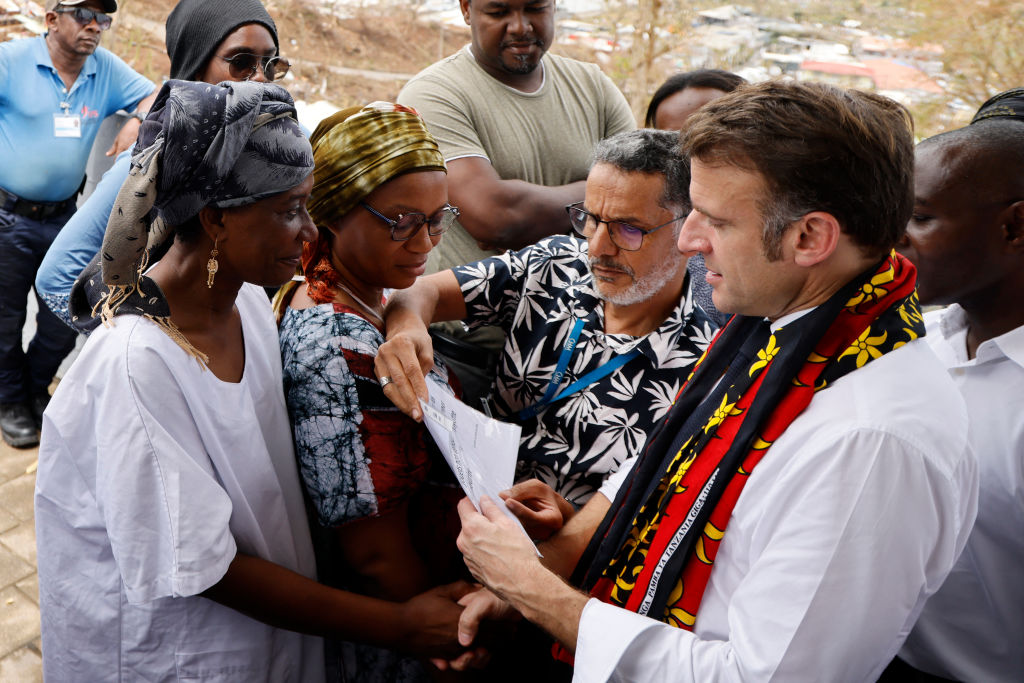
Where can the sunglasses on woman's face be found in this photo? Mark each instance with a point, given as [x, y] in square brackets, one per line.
[84, 16]
[243, 66]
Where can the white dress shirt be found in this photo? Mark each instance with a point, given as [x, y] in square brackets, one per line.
[153, 473]
[973, 628]
[850, 521]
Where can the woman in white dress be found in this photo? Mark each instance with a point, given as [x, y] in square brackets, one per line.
[172, 537]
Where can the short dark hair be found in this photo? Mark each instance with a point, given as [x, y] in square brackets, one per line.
[650, 151]
[996, 143]
[701, 78]
[189, 231]
[819, 148]
[987, 156]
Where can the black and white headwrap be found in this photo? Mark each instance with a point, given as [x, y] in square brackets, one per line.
[1007, 104]
[222, 145]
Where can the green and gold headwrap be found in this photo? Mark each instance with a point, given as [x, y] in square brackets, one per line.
[355, 151]
[359, 149]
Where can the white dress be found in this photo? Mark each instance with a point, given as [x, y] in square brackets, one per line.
[152, 474]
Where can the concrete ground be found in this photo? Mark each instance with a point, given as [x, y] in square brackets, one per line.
[20, 658]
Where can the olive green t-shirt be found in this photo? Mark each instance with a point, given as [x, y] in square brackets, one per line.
[545, 137]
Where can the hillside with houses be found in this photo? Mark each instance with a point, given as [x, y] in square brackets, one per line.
[350, 51]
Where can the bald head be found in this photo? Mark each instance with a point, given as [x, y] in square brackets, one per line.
[988, 156]
[966, 235]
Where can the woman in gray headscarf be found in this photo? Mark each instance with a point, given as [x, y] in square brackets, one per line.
[166, 469]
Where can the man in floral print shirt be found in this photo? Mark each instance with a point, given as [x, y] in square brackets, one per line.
[619, 302]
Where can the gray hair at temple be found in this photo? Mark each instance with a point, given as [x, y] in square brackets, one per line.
[651, 151]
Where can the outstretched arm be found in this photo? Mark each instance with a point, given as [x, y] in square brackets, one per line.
[500, 557]
[541, 510]
[804, 576]
[424, 625]
[407, 355]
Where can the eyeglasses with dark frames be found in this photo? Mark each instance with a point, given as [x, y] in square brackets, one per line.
[623, 235]
[408, 224]
[243, 66]
[84, 16]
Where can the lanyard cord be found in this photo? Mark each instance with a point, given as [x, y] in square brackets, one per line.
[63, 93]
[563, 362]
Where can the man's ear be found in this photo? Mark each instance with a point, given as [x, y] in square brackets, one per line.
[1014, 226]
[815, 237]
[464, 6]
[212, 220]
[51, 20]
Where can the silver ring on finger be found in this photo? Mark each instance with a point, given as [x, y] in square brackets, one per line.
[384, 381]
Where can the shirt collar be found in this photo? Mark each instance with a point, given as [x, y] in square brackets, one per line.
[1009, 344]
[468, 48]
[788, 318]
[659, 344]
[41, 52]
[42, 56]
[953, 320]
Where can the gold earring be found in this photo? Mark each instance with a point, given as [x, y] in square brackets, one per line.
[211, 265]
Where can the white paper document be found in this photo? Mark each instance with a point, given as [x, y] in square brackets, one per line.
[480, 450]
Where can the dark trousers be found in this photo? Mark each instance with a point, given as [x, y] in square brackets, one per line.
[23, 243]
[899, 671]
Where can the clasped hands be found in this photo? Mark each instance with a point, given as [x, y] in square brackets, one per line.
[493, 548]
[499, 558]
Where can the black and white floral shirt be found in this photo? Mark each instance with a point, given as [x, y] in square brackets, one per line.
[536, 295]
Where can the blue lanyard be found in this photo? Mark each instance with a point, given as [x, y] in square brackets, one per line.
[586, 380]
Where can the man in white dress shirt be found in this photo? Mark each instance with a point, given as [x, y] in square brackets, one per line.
[966, 238]
[813, 484]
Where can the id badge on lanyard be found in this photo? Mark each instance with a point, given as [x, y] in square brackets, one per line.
[66, 124]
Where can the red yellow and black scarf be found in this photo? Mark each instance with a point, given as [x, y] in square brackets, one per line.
[654, 551]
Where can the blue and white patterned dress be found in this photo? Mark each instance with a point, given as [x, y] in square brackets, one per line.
[358, 455]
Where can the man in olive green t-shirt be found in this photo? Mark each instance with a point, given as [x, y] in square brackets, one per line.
[516, 128]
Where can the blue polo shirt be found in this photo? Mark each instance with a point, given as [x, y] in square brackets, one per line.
[34, 163]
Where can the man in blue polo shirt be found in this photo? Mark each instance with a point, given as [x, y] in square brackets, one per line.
[55, 90]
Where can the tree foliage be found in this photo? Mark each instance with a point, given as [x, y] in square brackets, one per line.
[983, 53]
[645, 32]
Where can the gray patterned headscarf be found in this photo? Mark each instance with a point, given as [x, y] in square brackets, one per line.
[202, 145]
[222, 145]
